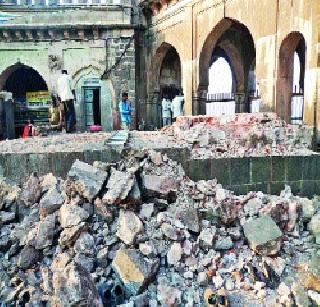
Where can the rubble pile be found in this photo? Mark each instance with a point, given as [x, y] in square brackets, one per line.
[239, 135]
[140, 233]
[55, 143]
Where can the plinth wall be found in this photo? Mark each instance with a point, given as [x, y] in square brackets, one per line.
[266, 174]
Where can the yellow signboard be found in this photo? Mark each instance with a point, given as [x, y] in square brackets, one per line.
[38, 99]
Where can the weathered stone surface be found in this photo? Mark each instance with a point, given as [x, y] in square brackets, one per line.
[263, 235]
[27, 257]
[308, 208]
[41, 235]
[161, 186]
[169, 231]
[85, 244]
[314, 224]
[72, 215]
[48, 181]
[73, 285]
[223, 243]
[129, 226]
[146, 211]
[69, 235]
[174, 253]
[90, 178]
[119, 185]
[31, 191]
[189, 217]
[102, 257]
[134, 270]
[6, 217]
[50, 202]
[206, 237]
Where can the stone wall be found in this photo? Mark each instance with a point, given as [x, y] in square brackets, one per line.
[266, 174]
[194, 27]
[91, 43]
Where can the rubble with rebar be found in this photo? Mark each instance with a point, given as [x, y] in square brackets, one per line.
[140, 233]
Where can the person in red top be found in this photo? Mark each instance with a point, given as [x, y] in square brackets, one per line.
[29, 129]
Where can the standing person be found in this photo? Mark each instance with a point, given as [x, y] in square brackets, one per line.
[125, 111]
[29, 129]
[177, 106]
[166, 111]
[66, 94]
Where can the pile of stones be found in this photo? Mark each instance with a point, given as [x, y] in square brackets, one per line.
[55, 143]
[140, 233]
[239, 135]
[243, 135]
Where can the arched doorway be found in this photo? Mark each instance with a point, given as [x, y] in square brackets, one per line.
[24, 80]
[166, 80]
[232, 42]
[30, 95]
[95, 100]
[290, 83]
[170, 74]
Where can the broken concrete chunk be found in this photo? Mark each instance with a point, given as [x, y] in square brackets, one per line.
[308, 208]
[91, 178]
[129, 226]
[51, 202]
[314, 224]
[134, 270]
[223, 243]
[6, 217]
[69, 235]
[28, 257]
[189, 217]
[31, 191]
[41, 235]
[119, 185]
[159, 186]
[73, 285]
[85, 244]
[263, 234]
[169, 231]
[146, 211]
[72, 215]
[206, 237]
[174, 253]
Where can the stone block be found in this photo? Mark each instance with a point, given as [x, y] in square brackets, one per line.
[263, 235]
[261, 169]
[278, 168]
[295, 167]
[309, 167]
[240, 171]
[221, 169]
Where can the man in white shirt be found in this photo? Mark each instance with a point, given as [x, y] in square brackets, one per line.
[65, 93]
[166, 111]
[177, 106]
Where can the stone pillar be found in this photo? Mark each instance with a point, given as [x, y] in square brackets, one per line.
[240, 102]
[9, 117]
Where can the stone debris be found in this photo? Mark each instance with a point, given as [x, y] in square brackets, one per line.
[238, 135]
[184, 243]
[133, 269]
[263, 235]
[56, 143]
[90, 179]
[129, 226]
[118, 187]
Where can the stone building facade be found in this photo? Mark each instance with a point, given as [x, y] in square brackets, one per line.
[257, 37]
[93, 40]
